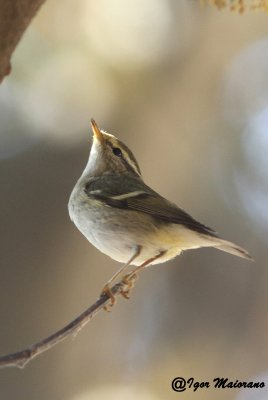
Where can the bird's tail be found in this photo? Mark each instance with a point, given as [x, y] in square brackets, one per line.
[232, 248]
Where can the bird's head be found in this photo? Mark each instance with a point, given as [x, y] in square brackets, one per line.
[109, 155]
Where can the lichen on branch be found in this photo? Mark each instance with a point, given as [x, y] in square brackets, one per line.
[239, 6]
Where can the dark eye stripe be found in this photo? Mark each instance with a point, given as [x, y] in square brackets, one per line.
[129, 155]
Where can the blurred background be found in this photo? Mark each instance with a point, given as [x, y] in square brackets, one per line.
[186, 88]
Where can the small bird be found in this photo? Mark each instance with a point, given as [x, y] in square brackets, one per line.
[126, 219]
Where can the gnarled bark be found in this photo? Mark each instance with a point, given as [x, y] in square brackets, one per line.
[15, 16]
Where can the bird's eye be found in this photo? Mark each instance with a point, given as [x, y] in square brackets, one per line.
[117, 152]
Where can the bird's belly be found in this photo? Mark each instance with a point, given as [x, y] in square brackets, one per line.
[118, 236]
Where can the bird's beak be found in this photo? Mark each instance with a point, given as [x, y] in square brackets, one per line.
[97, 132]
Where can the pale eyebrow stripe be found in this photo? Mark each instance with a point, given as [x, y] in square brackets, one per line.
[130, 156]
[129, 161]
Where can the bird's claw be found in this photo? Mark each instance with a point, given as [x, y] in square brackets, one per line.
[129, 282]
[107, 291]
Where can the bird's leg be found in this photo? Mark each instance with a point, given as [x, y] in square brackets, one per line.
[131, 278]
[107, 290]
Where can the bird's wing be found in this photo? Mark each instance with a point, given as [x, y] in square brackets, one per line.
[139, 197]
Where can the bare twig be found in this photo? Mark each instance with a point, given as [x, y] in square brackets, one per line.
[21, 358]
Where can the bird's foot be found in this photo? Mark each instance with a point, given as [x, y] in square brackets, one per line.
[129, 281]
[107, 291]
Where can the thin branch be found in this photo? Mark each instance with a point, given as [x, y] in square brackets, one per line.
[21, 358]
